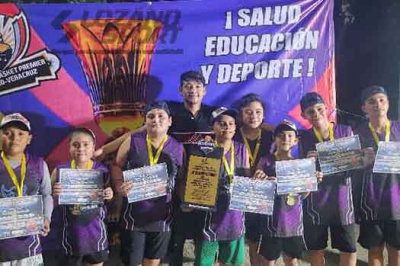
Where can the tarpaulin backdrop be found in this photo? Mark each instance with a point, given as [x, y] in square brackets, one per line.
[95, 65]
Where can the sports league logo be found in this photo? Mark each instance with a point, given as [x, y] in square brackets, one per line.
[17, 70]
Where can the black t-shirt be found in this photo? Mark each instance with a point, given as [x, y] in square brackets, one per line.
[184, 121]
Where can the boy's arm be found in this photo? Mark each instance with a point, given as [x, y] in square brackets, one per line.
[117, 179]
[45, 191]
[181, 178]
[119, 185]
[116, 144]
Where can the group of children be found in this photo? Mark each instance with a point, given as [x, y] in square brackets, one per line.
[298, 222]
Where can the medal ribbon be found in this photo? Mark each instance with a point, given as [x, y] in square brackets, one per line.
[153, 160]
[89, 164]
[229, 169]
[13, 176]
[319, 135]
[252, 155]
[387, 132]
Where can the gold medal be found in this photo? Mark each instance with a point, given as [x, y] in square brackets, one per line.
[229, 169]
[290, 200]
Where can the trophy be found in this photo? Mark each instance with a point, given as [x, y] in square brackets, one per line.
[115, 55]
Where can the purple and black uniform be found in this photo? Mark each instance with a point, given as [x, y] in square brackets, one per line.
[51, 244]
[27, 246]
[332, 203]
[253, 219]
[331, 206]
[286, 221]
[152, 215]
[379, 197]
[225, 224]
[83, 229]
[283, 230]
[380, 193]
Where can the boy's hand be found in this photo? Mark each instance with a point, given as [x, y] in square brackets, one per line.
[260, 174]
[99, 154]
[46, 227]
[312, 154]
[369, 156]
[57, 189]
[320, 176]
[108, 193]
[125, 188]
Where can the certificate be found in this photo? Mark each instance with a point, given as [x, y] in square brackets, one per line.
[340, 155]
[21, 216]
[387, 158]
[296, 176]
[252, 195]
[201, 188]
[149, 182]
[81, 186]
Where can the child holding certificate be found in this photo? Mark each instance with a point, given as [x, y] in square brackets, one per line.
[145, 231]
[379, 193]
[223, 231]
[331, 207]
[282, 231]
[84, 237]
[22, 174]
[258, 144]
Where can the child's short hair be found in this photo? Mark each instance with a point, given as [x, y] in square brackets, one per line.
[249, 98]
[310, 99]
[83, 130]
[193, 75]
[162, 105]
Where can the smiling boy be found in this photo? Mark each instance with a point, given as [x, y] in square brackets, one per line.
[331, 207]
[145, 231]
[22, 174]
[379, 193]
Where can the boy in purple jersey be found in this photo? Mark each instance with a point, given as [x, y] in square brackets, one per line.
[84, 237]
[22, 174]
[282, 231]
[223, 230]
[331, 207]
[379, 193]
[145, 225]
[258, 144]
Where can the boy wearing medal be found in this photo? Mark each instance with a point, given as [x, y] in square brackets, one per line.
[380, 204]
[331, 207]
[282, 231]
[145, 225]
[223, 231]
[83, 230]
[22, 174]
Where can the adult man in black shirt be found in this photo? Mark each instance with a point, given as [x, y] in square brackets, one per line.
[189, 116]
